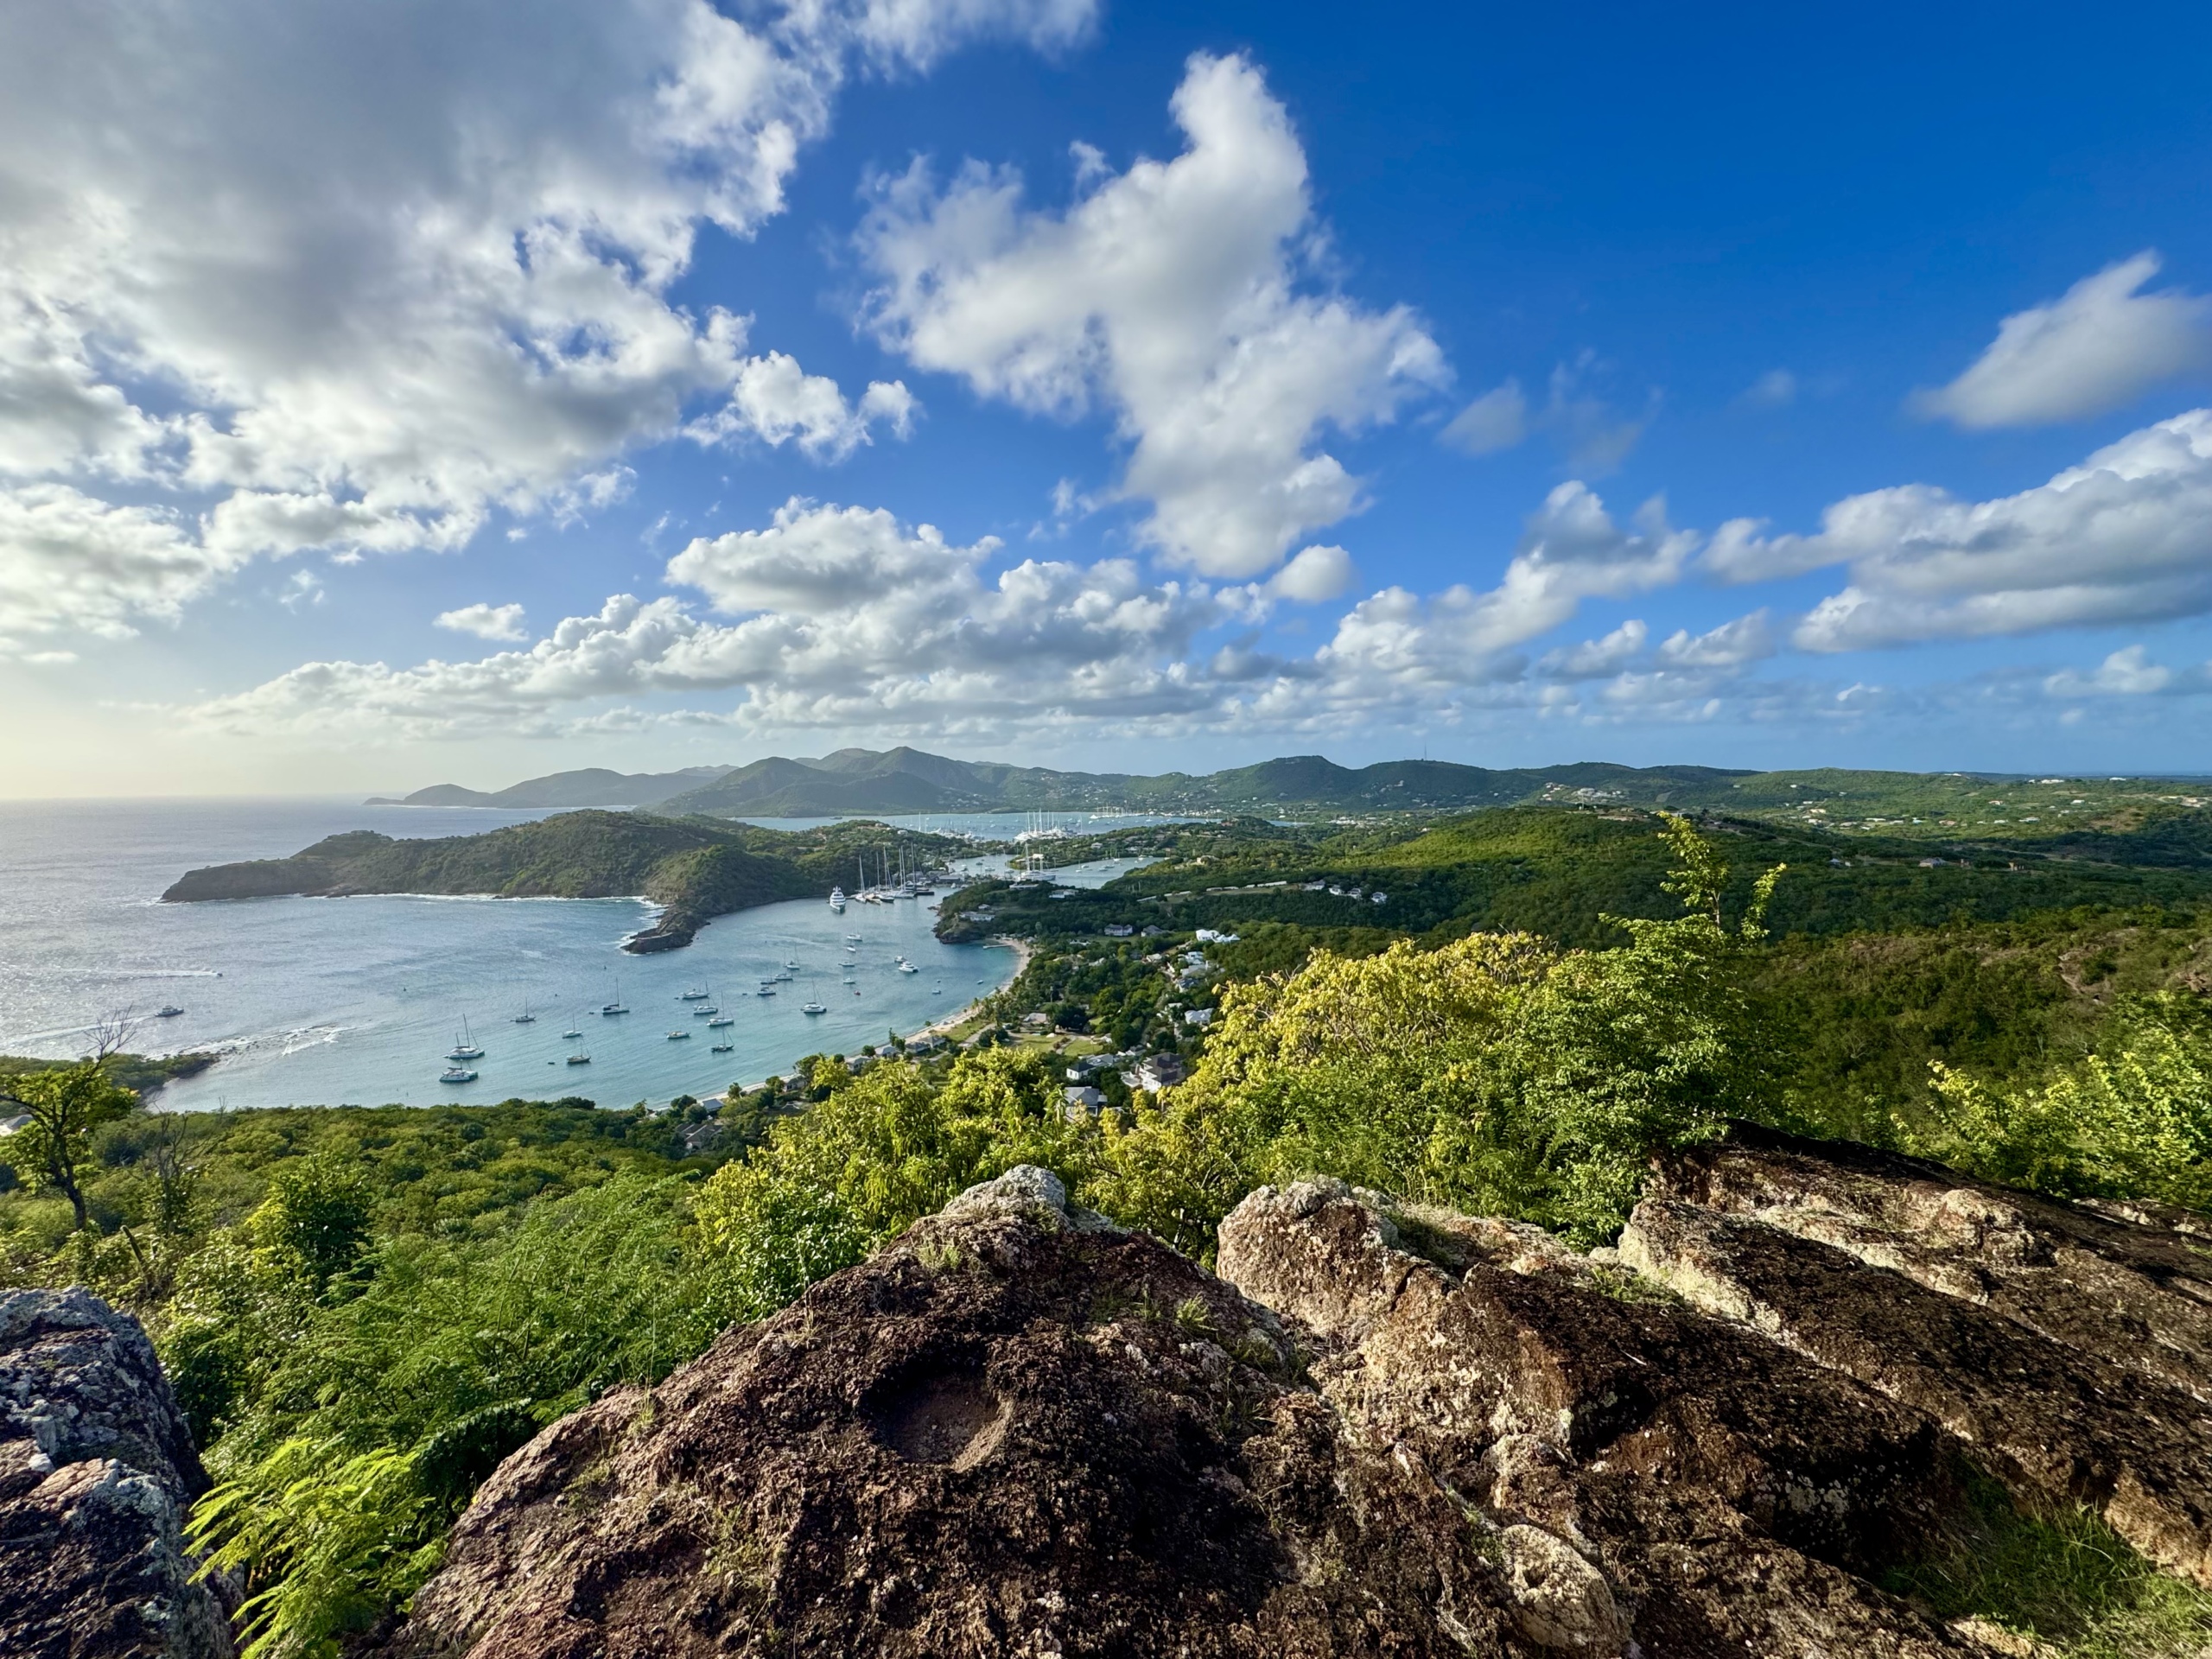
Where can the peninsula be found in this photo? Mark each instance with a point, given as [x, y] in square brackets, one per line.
[694, 870]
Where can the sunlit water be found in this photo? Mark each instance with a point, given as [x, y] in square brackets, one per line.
[324, 1001]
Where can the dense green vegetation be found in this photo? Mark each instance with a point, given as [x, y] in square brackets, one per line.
[695, 868]
[365, 1310]
[911, 781]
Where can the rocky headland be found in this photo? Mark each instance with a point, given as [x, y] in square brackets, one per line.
[695, 870]
[1374, 1429]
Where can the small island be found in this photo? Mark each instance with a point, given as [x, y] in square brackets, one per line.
[696, 869]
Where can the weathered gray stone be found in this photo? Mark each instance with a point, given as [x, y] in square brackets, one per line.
[96, 1468]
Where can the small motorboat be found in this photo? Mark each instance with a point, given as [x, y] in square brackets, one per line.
[765, 990]
[456, 1074]
[169, 1013]
[906, 967]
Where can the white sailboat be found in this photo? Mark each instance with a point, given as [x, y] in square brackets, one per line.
[464, 1047]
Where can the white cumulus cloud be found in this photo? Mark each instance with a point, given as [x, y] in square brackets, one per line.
[356, 277]
[2091, 350]
[1571, 550]
[1177, 295]
[846, 617]
[2125, 537]
[2128, 672]
[486, 621]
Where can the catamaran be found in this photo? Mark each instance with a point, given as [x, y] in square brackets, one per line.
[463, 1048]
[456, 1074]
[812, 1007]
[706, 1012]
[697, 993]
[906, 967]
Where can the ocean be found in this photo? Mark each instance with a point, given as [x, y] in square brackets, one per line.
[323, 1002]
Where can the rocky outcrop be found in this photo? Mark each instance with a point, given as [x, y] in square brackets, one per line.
[2062, 1424]
[1018, 1431]
[97, 1469]
[1380, 1430]
[1729, 1496]
[2131, 1283]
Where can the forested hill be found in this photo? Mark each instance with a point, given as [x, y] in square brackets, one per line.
[907, 780]
[697, 870]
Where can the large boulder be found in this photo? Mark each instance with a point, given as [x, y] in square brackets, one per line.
[2057, 1423]
[1728, 1495]
[1018, 1431]
[97, 1470]
[2129, 1283]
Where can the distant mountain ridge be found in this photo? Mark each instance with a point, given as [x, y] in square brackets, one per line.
[593, 786]
[909, 780]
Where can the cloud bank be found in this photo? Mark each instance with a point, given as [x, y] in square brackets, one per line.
[275, 277]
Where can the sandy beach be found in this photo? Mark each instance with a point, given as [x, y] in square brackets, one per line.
[1023, 950]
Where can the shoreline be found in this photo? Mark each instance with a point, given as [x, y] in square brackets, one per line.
[1023, 953]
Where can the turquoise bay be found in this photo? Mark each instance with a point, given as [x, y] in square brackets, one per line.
[319, 1001]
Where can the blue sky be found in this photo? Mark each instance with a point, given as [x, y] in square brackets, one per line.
[465, 391]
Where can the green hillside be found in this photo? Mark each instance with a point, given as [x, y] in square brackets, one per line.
[695, 868]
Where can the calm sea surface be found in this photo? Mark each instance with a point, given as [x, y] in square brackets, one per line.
[318, 1001]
